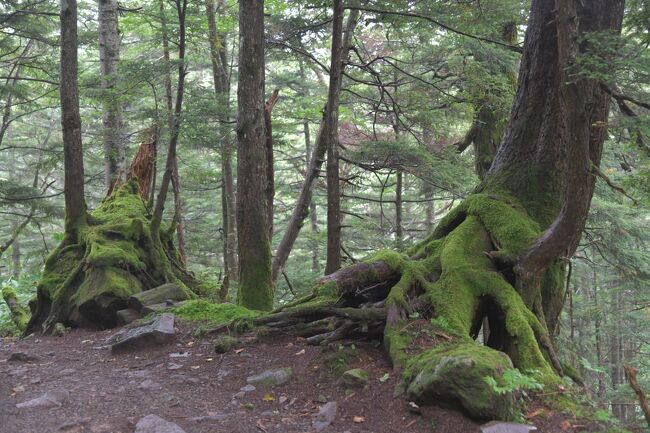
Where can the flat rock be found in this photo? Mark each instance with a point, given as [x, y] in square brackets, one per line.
[149, 385]
[155, 424]
[159, 332]
[506, 427]
[126, 316]
[22, 357]
[158, 295]
[54, 398]
[271, 377]
[248, 388]
[325, 416]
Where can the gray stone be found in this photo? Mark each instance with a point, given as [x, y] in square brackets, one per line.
[54, 398]
[325, 416]
[173, 366]
[155, 424]
[126, 316]
[67, 371]
[22, 357]
[271, 377]
[506, 427]
[247, 388]
[159, 332]
[239, 395]
[355, 377]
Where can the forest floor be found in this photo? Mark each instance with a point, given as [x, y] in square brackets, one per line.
[189, 384]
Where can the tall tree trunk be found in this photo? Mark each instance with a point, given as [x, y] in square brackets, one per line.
[109, 56]
[317, 157]
[218, 56]
[331, 139]
[75, 204]
[255, 283]
[399, 233]
[174, 131]
[156, 219]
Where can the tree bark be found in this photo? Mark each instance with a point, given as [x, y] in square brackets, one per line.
[630, 374]
[255, 283]
[75, 204]
[313, 217]
[301, 210]
[218, 56]
[109, 56]
[270, 171]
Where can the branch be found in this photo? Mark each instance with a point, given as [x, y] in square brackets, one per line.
[598, 172]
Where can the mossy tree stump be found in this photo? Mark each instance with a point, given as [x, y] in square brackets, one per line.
[114, 257]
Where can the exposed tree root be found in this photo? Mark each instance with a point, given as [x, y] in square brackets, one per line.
[430, 304]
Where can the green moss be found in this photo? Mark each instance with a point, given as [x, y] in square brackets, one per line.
[199, 310]
[393, 259]
[327, 290]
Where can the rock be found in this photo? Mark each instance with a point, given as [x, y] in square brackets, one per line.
[506, 427]
[22, 357]
[157, 295]
[54, 398]
[355, 377]
[239, 395]
[59, 330]
[247, 388]
[271, 377]
[457, 375]
[160, 331]
[154, 308]
[155, 424]
[224, 343]
[67, 371]
[325, 416]
[173, 366]
[149, 385]
[126, 316]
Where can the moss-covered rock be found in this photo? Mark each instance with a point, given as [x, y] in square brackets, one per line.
[224, 343]
[356, 377]
[455, 376]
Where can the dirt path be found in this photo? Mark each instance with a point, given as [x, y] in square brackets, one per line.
[110, 393]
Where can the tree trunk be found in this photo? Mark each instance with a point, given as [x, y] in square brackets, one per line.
[75, 204]
[331, 141]
[255, 283]
[313, 217]
[109, 56]
[497, 255]
[270, 170]
[218, 53]
[317, 157]
[156, 219]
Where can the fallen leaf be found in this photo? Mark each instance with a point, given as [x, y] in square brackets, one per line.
[239, 351]
[268, 397]
[358, 419]
[190, 343]
[302, 352]
[566, 425]
[209, 359]
[195, 367]
[533, 414]
[384, 378]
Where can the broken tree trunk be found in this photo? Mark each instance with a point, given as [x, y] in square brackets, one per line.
[630, 374]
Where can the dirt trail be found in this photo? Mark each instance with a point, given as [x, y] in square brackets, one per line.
[110, 393]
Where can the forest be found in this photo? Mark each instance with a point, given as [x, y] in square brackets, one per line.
[451, 196]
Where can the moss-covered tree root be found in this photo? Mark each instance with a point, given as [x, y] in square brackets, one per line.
[19, 314]
[431, 303]
[114, 256]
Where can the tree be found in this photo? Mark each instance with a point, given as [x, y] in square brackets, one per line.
[109, 56]
[500, 253]
[255, 284]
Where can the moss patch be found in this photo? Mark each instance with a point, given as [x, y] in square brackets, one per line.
[199, 310]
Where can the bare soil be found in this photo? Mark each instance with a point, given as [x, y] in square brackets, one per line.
[185, 380]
